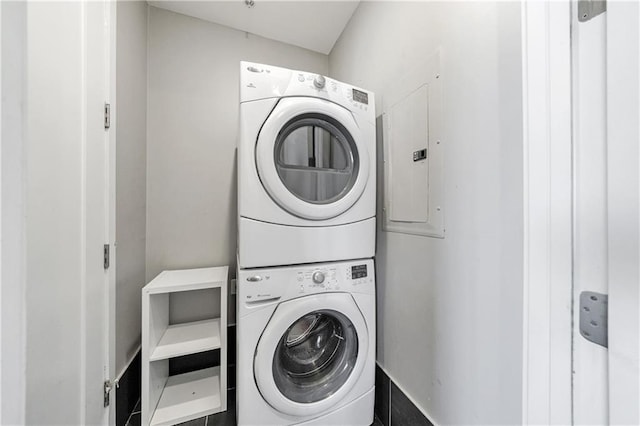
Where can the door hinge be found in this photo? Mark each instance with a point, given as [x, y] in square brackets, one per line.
[594, 317]
[105, 256]
[107, 390]
[108, 386]
[588, 9]
[107, 115]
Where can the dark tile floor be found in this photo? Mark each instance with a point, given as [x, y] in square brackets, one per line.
[227, 418]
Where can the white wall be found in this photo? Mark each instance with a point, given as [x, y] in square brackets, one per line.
[131, 174]
[192, 126]
[450, 311]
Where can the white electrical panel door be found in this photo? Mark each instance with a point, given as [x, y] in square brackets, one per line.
[413, 152]
[408, 174]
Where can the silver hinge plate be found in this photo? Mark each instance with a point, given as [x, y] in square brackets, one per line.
[107, 115]
[594, 313]
[588, 9]
[107, 389]
[105, 256]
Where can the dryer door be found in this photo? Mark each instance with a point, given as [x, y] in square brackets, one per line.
[311, 158]
[311, 353]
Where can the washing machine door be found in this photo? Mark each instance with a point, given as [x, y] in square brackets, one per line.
[311, 158]
[311, 353]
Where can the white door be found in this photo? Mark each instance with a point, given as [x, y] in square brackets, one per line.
[311, 158]
[606, 213]
[68, 210]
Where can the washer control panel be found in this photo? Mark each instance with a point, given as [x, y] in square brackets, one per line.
[317, 279]
[278, 284]
[343, 277]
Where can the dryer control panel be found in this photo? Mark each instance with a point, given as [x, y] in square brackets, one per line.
[259, 286]
[259, 81]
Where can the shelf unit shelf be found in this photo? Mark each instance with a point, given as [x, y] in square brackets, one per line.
[166, 399]
[189, 338]
[188, 396]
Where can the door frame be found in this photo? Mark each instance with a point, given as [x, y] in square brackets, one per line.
[547, 222]
[547, 198]
[111, 41]
[98, 31]
[12, 214]
[623, 156]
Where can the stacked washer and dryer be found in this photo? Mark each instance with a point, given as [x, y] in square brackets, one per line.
[306, 239]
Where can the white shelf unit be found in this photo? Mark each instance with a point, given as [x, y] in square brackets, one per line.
[168, 400]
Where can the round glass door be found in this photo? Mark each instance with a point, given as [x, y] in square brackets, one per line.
[316, 158]
[315, 356]
[311, 353]
[312, 158]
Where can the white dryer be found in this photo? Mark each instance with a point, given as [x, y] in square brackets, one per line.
[306, 168]
[306, 345]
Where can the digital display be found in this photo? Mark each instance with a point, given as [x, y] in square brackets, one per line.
[358, 271]
[361, 97]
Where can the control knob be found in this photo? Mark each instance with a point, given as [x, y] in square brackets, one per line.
[318, 277]
[319, 81]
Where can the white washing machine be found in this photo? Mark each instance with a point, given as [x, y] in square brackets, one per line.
[306, 168]
[306, 345]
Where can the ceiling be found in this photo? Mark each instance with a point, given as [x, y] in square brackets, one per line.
[313, 25]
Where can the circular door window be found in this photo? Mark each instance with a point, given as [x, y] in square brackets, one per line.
[311, 158]
[311, 353]
[316, 158]
[315, 356]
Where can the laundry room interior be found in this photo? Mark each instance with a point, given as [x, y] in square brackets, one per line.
[342, 185]
[433, 293]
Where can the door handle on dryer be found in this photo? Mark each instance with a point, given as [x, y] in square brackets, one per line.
[260, 302]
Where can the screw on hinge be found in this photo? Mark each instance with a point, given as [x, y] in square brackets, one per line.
[589, 9]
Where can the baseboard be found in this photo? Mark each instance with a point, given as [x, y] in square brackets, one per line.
[124, 369]
[128, 390]
[393, 407]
